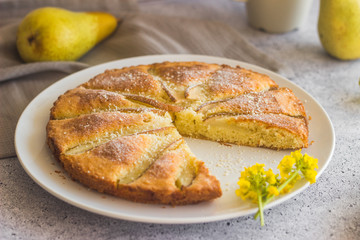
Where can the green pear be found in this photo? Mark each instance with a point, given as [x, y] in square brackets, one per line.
[55, 34]
[339, 28]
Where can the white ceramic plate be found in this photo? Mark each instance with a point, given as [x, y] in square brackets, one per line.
[225, 162]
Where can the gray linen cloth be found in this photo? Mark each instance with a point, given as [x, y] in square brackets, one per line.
[138, 34]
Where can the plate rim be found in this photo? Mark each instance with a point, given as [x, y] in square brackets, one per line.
[162, 220]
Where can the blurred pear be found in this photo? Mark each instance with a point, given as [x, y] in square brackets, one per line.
[55, 34]
[339, 28]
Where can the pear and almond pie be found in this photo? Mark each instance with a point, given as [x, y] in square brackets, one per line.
[121, 132]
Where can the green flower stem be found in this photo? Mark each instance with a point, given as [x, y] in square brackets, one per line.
[281, 187]
[262, 222]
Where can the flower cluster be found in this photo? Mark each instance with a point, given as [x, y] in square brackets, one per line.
[262, 186]
[255, 182]
[291, 164]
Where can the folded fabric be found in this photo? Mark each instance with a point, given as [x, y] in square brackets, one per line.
[138, 34]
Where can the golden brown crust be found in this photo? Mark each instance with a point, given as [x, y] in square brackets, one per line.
[69, 133]
[205, 187]
[115, 134]
[157, 184]
[185, 73]
[131, 80]
[278, 101]
[99, 168]
[230, 82]
[103, 168]
[80, 101]
[177, 77]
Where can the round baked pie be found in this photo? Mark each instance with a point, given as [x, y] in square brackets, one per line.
[121, 132]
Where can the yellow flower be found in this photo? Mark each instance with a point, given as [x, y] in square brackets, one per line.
[252, 195]
[304, 163]
[272, 190]
[244, 188]
[297, 155]
[307, 166]
[251, 182]
[290, 185]
[310, 175]
[286, 166]
[238, 192]
[246, 193]
[256, 169]
[254, 180]
[262, 186]
[243, 183]
[244, 174]
[270, 177]
[310, 162]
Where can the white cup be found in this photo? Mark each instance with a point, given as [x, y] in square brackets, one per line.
[277, 16]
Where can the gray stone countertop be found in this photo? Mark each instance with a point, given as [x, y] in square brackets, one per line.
[329, 209]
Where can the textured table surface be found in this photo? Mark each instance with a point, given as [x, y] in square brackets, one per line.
[329, 209]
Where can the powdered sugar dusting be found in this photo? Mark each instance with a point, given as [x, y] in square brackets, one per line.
[183, 74]
[128, 80]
